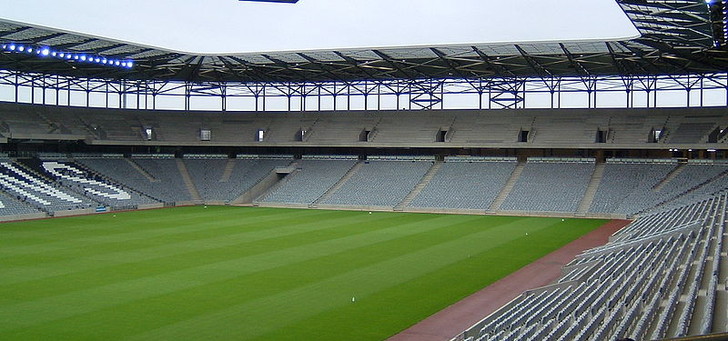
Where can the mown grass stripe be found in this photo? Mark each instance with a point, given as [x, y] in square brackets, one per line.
[129, 228]
[94, 258]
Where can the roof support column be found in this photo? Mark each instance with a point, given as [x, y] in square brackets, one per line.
[188, 94]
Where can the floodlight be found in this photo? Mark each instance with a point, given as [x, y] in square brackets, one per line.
[45, 51]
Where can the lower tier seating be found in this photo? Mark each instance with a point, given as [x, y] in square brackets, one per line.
[659, 278]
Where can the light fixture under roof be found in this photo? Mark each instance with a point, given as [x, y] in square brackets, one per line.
[47, 52]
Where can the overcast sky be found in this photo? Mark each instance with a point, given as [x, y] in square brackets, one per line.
[231, 26]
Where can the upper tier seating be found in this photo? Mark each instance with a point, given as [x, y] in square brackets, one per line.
[545, 128]
[691, 132]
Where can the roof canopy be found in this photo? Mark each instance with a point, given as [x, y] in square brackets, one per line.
[677, 37]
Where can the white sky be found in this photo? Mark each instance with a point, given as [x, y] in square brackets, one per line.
[231, 26]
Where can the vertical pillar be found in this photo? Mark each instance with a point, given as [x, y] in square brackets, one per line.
[188, 94]
[223, 97]
[32, 90]
[43, 88]
[58, 91]
[88, 93]
[264, 101]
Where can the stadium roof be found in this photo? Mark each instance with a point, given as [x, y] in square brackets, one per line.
[222, 27]
[676, 37]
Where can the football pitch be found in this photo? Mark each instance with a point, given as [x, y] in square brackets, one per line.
[245, 273]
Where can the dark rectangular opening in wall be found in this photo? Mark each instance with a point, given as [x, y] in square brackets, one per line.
[440, 137]
[300, 135]
[601, 136]
[654, 136]
[523, 136]
[364, 135]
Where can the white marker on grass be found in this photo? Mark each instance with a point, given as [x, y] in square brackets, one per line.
[353, 299]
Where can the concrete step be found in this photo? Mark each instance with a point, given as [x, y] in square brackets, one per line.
[228, 170]
[338, 184]
[669, 177]
[591, 189]
[420, 186]
[508, 187]
[191, 188]
[141, 170]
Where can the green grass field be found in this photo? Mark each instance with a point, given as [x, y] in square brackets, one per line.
[241, 273]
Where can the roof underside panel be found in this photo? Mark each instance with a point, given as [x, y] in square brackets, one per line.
[677, 37]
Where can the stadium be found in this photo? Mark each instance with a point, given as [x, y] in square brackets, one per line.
[417, 190]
